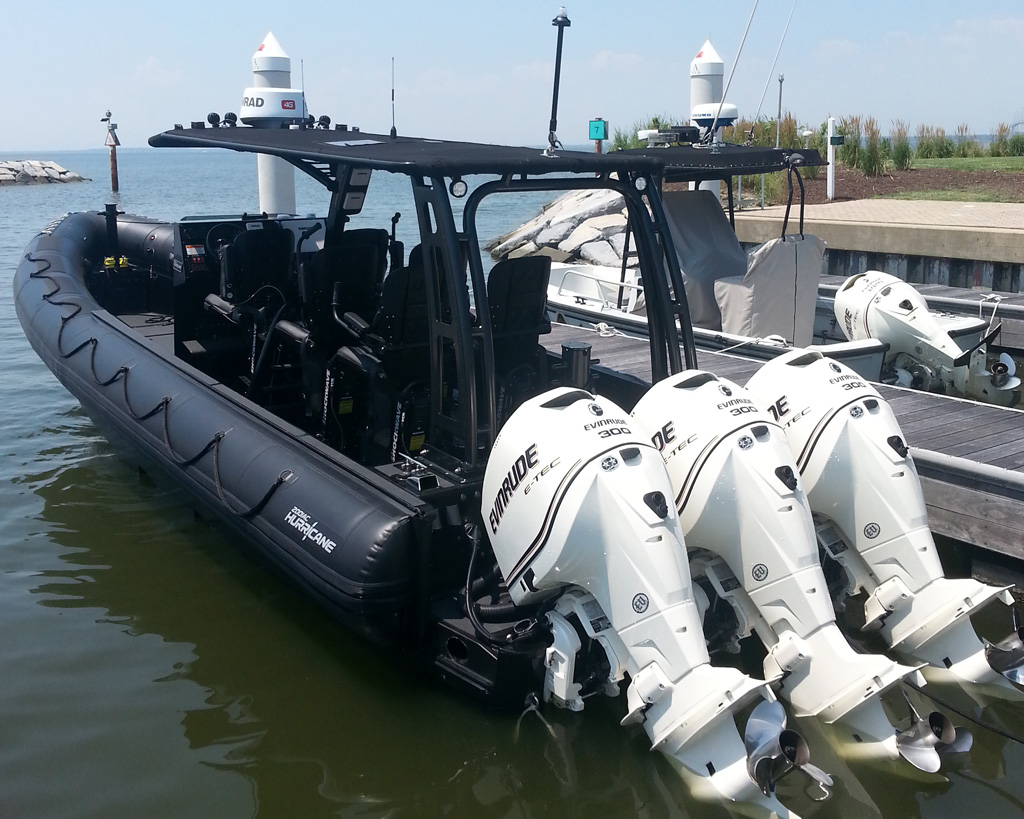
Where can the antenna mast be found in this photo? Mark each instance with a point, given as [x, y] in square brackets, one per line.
[394, 131]
[562, 22]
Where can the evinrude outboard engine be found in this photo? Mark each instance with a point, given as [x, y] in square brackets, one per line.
[871, 517]
[877, 305]
[578, 510]
[749, 527]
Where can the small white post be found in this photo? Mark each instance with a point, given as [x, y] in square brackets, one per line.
[830, 186]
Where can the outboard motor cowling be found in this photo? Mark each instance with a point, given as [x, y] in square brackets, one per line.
[870, 512]
[739, 497]
[880, 306]
[578, 508]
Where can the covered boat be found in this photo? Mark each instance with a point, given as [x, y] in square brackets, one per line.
[762, 302]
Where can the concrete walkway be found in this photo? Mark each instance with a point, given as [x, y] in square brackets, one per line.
[983, 231]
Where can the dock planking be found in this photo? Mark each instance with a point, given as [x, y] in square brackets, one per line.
[970, 456]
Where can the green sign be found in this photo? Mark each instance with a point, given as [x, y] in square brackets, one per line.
[598, 129]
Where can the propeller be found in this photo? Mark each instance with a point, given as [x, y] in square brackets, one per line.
[1003, 373]
[773, 750]
[929, 737]
[904, 378]
[1007, 656]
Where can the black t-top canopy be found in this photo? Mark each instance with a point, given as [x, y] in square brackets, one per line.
[687, 163]
[408, 155]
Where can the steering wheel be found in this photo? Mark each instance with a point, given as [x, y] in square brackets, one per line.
[220, 234]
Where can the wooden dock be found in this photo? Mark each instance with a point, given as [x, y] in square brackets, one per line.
[970, 456]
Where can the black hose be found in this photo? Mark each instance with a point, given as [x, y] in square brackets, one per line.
[471, 609]
[497, 612]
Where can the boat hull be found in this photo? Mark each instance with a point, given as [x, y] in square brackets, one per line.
[345, 535]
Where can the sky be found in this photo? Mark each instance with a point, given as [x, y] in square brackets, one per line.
[483, 70]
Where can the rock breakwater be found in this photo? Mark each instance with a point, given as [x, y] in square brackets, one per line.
[35, 172]
[582, 226]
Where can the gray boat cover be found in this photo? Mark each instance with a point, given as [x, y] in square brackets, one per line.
[777, 294]
[708, 250]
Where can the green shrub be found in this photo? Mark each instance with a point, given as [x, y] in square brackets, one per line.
[776, 189]
[1015, 145]
[849, 152]
[763, 132]
[870, 158]
[932, 143]
[1000, 144]
[623, 140]
[966, 143]
[902, 155]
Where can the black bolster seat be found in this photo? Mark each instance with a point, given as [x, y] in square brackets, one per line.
[257, 258]
[345, 277]
[517, 294]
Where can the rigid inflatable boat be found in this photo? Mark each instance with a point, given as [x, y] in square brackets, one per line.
[384, 429]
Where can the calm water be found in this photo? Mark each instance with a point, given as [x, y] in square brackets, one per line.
[147, 668]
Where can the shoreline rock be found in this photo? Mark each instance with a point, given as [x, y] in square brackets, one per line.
[580, 226]
[35, 172]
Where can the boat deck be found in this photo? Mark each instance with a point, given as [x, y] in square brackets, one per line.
[158, 328]
[970, 456]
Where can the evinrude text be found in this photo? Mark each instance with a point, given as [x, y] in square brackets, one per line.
[519, 470]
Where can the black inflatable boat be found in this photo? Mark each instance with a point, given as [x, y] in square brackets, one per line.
[329, 397]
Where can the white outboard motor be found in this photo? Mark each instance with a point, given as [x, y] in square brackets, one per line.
[739, 498]
[871, 517]
[577, 507]
[877, 305]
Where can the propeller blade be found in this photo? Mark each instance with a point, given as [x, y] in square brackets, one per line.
[924, 759]
[1002, 373]
[1007, 656]
[773, 751]
[817, 774]
[1007, 661]
[767, 721]
[920, 742]
[962, 744]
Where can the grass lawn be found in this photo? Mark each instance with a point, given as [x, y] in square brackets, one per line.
[949, 196]
[1006, 164]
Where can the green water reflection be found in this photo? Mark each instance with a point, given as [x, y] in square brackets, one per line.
[234, 696]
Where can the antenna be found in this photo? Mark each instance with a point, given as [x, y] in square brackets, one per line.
[562, 22]
[302, 87]
[711, 131]
[394, 131]
[771, 71]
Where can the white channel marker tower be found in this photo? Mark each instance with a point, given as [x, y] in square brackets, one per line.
[271, 102]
